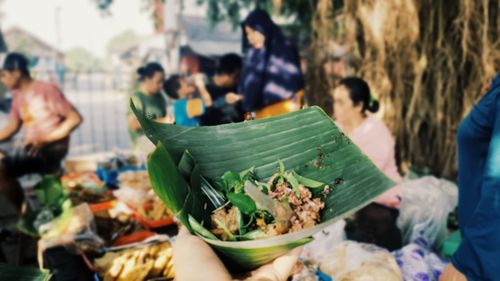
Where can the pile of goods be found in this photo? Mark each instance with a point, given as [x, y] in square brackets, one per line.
[85, 188]
[142, 263]
[109, 215]
[154, 211]
[135, 189]
[135, 179]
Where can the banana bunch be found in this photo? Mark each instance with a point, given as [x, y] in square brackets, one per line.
[137, 264]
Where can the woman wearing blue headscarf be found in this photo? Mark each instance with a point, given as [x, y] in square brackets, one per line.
[271, 79]
[478, 257]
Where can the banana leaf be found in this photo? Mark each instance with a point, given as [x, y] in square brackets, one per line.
[50, 195]
[306, 141]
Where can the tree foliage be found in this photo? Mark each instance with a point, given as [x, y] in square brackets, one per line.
[122, 40]
[80, 59]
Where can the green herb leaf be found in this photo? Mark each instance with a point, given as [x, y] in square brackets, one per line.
[243, 202]
[247, 174]
[233, 182]
[293, 182]
[308, 182]
[239, 221]
[282, 167]
[231, 178]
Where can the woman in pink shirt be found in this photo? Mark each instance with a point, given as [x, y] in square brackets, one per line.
[47, 119]
[353, 105]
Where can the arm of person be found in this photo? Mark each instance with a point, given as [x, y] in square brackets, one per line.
[71, 121]
[228, 99]
[10, 130]
[202, 89]
[133, 123]
[232, 98]
[480, 249]
[165, 120]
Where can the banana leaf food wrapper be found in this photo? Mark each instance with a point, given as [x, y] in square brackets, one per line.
[256, 190]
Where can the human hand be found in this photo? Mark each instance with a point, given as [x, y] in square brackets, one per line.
[169, 119]
[232, 98]
[450, 273]
[199, 80]
[190, 252]
[34, 146]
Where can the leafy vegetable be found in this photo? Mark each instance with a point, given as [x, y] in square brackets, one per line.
[307, 182]
[243, 202]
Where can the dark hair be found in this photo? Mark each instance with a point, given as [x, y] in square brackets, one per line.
[149, 70]
[172, 85]
[359, 91]
[17, 61]
[229, 64]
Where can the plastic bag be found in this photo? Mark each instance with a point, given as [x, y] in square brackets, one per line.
[358, 261]
[325, 241]
[418, 263]
[74, 227]
[425, 207]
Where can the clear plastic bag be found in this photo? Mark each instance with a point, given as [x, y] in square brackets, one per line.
[358, 261]
[325, 241]
[425, 207]
[73, 229]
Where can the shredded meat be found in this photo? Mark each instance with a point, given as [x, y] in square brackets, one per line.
[227, 219]
[306, 209]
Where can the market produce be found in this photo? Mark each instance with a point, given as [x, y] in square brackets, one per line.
[134, 179]
[85, 188]
[155, 211]
[306, 141]
[137, 264]
[52, 203]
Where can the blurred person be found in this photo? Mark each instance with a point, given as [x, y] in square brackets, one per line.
[190, 252]
[222, 88]
[61, 70]
[186, 106]
[478, 139]
[47, 118]
[148, 100]
[271, 82]
[352, 105]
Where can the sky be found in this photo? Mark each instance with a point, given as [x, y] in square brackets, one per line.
[81, 22]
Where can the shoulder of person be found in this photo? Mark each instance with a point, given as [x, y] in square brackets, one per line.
[380, 127]
[46, 87]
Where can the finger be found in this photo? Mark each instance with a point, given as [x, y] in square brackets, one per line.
[280, 269]
[190, 252]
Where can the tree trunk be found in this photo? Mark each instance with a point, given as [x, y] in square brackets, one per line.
[426, 61]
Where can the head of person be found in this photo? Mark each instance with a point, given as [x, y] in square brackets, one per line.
[14, 70]
[228, 70]
[352, 99]
[178, 88]
[258, 28]
[151, 77]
